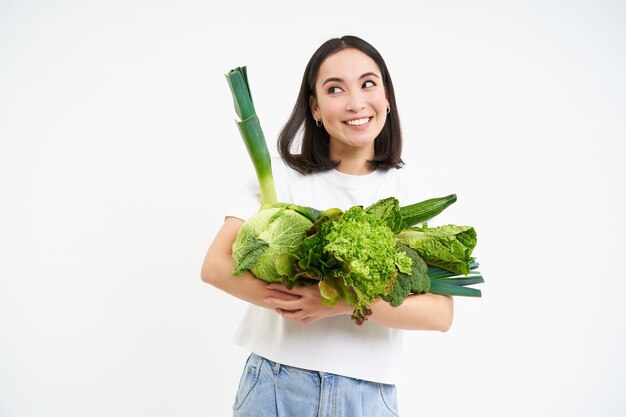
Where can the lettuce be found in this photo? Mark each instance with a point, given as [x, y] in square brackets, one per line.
[449, 247]
[366, 251]
[353, 255]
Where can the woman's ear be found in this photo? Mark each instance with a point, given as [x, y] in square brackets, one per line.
[314, 109]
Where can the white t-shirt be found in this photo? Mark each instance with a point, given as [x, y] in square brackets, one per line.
[336, 345]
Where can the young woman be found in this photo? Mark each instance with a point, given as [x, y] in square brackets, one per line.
[308, 359]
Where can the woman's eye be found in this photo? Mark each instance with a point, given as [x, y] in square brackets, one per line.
[334, 90]
[368, 84]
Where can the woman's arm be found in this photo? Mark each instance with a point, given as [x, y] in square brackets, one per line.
[417, 312]
[304, 304]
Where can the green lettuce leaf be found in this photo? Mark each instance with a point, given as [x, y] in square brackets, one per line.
[366, 249]
[449, 247]
[387, 211]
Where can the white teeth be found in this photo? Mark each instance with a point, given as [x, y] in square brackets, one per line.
[358, 122]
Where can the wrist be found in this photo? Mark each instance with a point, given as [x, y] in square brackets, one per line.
[343, 308]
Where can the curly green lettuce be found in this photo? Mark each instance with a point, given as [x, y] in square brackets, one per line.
[366, 251]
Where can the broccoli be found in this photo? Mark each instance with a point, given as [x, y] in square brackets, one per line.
[416, 282]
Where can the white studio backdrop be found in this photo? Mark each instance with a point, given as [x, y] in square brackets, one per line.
[119, 154]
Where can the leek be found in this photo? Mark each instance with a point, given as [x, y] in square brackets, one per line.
[251, 132]
[449, 283]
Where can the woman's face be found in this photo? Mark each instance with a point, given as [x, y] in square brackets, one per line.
[351, 101]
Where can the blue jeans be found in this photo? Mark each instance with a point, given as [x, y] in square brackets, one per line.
[268, 389]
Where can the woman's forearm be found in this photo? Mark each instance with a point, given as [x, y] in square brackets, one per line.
[218, 265]
[417, 312]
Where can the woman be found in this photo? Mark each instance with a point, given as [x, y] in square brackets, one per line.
[308, 359]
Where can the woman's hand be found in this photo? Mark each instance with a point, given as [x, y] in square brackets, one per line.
[304, 304]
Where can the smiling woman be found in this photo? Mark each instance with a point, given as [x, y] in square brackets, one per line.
[350, 155]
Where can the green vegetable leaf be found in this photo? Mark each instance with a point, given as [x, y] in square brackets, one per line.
[335, 290]
[366, 248]
[247, 249]
[404, 262]
[387, 211]
[265, 236]
[285, 268]
[308, 212]
[448, 247]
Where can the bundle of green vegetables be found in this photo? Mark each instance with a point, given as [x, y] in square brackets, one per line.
[359, 255]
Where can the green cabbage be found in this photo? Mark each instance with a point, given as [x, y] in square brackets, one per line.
[274, 230]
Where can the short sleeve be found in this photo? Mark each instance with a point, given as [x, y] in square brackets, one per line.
[247, 200]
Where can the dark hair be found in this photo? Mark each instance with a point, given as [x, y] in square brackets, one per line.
[313, 155]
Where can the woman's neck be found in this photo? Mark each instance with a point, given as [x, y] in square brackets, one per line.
[353, 161]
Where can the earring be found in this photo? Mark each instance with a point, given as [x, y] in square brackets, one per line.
[318, 123]
[388, 109]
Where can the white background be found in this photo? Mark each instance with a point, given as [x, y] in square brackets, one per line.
[119, 153]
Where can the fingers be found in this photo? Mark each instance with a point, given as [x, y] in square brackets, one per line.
[297, 315]
[279, 287]
[280, 295]
[288, 305]
[289, 309]
[303, 304]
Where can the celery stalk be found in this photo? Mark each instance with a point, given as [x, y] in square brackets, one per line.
[251, 132]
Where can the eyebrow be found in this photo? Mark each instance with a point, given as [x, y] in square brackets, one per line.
[331, 79]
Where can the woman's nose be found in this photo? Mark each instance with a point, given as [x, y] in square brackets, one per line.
[356, 102]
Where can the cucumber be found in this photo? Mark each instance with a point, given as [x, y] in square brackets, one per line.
[425, 210]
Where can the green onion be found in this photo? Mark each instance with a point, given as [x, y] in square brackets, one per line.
[251, 132]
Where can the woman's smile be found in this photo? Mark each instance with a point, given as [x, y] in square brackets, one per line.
[358, 122]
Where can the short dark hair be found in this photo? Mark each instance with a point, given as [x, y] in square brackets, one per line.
[314, 152]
